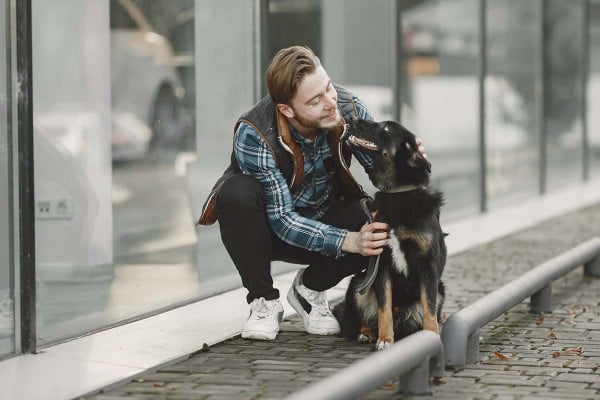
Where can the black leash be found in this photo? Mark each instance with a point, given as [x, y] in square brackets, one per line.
[373, 260]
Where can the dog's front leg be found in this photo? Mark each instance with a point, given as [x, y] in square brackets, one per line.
[385, 321]
[429, 302]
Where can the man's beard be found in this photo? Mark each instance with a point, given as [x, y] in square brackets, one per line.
[323, 124]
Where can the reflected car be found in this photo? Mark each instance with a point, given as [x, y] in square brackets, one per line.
[146, 90]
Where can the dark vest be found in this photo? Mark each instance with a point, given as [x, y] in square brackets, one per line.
[273, 128]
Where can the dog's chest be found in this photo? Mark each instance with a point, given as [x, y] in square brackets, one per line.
[398, 258]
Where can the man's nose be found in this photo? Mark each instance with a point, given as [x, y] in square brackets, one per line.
[331, 101]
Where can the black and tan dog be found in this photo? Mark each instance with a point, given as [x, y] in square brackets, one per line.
[404, 293]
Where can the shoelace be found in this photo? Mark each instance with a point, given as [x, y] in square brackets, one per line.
[319, 301]
[260, 309]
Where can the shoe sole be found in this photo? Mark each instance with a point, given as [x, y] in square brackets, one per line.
[298, 307]
[257, 335]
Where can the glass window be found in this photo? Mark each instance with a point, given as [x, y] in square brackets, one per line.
[564, 135]
[440, 94]
[7, 329]
[593, 87]
[294, 22]
[360, 59]
[511, 137]
[121, 166]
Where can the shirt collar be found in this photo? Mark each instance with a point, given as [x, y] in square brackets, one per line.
[304, 141]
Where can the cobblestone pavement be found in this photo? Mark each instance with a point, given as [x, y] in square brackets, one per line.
[522, 355]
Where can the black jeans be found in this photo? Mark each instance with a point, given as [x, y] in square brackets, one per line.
[252, 245]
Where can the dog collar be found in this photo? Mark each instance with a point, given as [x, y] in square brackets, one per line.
[400, 189]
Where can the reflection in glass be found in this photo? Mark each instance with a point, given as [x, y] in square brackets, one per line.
[7, 327]
[511, 137]
[114, 229]
[564, 135]
[593, 88]
[440, 94]
[360, 59]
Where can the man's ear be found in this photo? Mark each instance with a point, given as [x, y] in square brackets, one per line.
[285, 110]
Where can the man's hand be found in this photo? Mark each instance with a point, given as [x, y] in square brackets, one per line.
[421, 147]
[369, 241]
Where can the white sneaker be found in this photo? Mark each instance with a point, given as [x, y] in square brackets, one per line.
[263, 321]
[313, 307]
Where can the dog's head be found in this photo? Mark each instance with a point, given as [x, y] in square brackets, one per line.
[393, 148]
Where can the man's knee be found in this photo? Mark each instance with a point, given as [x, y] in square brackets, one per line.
[240, 194]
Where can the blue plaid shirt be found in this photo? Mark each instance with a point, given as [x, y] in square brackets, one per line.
[294, 216]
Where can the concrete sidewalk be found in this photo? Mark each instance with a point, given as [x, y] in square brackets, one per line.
[522, 355]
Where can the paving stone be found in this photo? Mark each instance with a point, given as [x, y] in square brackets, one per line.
[584, 378]
[573, 394]
[511, 380]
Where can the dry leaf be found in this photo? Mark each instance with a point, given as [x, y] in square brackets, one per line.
[574, 352]
[501, 356]
[389, 385]
[540, 320]
[574, 311]
[551, 335]
[159, 385]
[556, 354]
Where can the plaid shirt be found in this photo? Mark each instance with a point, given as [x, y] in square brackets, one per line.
[294, 216]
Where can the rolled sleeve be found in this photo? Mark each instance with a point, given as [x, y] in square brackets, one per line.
[334, 238]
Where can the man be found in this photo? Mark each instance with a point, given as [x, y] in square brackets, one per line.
[288, 195]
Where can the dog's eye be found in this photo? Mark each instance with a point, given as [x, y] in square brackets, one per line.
[386, 128]
[407, 145]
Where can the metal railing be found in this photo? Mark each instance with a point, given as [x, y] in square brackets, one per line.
[421, 355]
[460, 334]
[413, 358]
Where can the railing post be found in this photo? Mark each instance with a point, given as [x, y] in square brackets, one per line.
[473, 347]
[416, 381]
[592, 267]
[437, 365]
[541, 301]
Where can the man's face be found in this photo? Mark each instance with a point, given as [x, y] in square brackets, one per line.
[314, 106]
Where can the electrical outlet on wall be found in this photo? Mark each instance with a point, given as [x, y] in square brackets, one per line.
[61, 208]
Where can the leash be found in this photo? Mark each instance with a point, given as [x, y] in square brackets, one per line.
[373, 260]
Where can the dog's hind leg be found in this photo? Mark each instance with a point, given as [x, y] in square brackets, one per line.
[365, 335]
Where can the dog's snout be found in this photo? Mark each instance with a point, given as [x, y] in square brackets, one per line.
[352, 122]
[427, 165]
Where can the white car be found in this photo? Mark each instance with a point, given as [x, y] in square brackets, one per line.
[146, 91]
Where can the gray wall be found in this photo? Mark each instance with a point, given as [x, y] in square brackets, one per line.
[357, 41]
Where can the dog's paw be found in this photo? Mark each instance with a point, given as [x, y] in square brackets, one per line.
[362, 338]
[384, 344]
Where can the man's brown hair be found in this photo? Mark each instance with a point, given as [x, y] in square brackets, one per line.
[286, 71]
